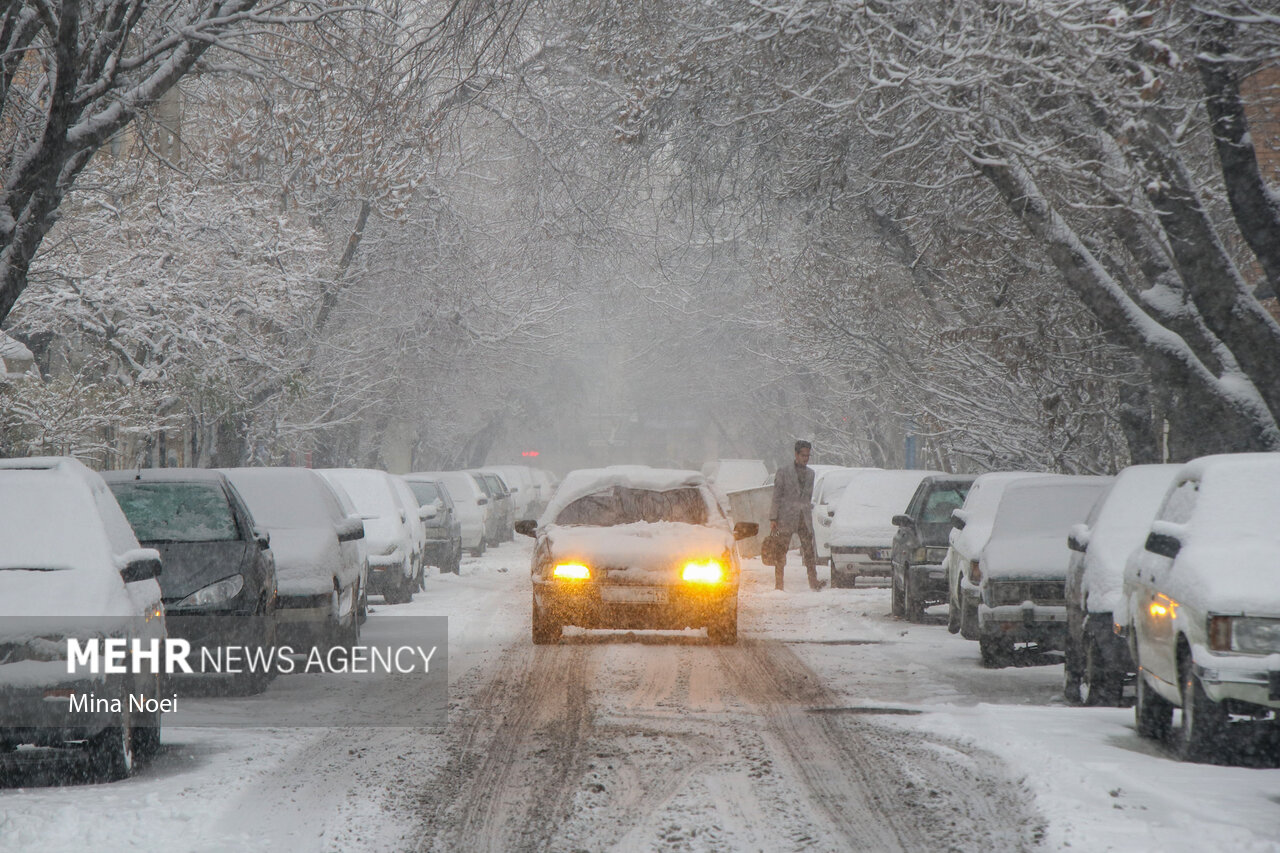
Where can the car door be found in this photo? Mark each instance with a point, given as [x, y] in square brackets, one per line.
[1153, 611]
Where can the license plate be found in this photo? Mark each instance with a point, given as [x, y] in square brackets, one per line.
[883, 554]
[633, 595]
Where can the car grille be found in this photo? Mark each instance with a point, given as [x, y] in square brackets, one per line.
[1037, 592]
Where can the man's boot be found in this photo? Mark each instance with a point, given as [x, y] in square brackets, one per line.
[814, 583]
[777, 577]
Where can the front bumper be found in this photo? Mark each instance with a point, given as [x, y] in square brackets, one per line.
[43, 715]
[862, 560]
[1249, 679]
[1043, 624]
[672, 607]
[386, 572]
[930, 581]
[214, 628]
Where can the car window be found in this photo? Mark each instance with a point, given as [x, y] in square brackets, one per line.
[621, 505]
[1181, 503]
[426, 493]
[177, 512]
[940, 502]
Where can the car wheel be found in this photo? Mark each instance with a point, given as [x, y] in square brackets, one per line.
[969, 621]
[995, 651]
[545, 628]
[1204, 723]
[111, 751]
[419, 579]
[913, 604]
[1152, 714]
[250, 683]
[478, 550]
[1071, 672]
[896, 596]
[1098, 684]
[723, 631]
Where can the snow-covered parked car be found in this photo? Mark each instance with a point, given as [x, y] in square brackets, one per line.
[635, 547]
[971, 528]
[500, 514]
[1202, 602]
[444, 533]
[219, 581]
[524, 494]
[862, 528]
[318, 564]
[1098, 662]
[70, 567]
[920, 545]
[1022, 573]
[393, 550]
[469, 499]
[828, 486]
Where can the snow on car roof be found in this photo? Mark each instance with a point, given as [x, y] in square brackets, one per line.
[588, 481]
[1239, 494]
[368, 488]
[874, 496]
[1046, 506]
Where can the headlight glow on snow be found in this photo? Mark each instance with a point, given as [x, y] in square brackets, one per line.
[708, 572]
[572, 571]
[215, 593]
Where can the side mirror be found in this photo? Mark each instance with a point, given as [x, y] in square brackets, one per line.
[958, 519]
[426, 512]
[350, 530]
[527, 527]
[1078, 537]
[140, 564]
[262, 537]
[903, 521]
[1164, 544]
[745, 529]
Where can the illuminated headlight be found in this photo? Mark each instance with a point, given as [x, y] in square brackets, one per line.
[1245, 634]
[572, 572]
[215, 593]
[708, 572]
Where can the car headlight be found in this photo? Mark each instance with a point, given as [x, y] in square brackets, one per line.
[706, 572]
[1246, 634]
[215, 593]
[572, 572]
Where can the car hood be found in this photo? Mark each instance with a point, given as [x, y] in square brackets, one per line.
[863, 535]
[1215, 575]
[189, 566]
[1026, 557]
[307, 559]
[642, 552]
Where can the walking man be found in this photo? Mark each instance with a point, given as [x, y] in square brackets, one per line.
[792, 513]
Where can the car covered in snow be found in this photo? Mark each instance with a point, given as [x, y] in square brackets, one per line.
[1097, 657]
[828, 485]
[71, 568]
[862, 528]
[318, 565]
[524, 493]
[469, 499]
[444, 532]
[499, 513]
[635, 547]
[1022, 573]
[971, 528]
[1202, 603]
[919, 575]
[219, 580]
[393, 549]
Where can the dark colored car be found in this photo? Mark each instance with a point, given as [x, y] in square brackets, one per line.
[219, 580]
[919, 554]
[500, 517]
[444, 531]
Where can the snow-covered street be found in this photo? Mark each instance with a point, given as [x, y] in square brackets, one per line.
[830, 726]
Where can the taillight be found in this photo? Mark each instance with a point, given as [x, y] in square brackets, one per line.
[975, 572]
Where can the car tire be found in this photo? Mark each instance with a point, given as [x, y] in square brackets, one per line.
[897, 594]
[111, 752]
[1072, 670]
[913, 604]
[723, 631]
[1099, 686]
[546, 630]
[479, 549]
[969, 621]
[1152, 713]
[251, 683]
[995, 651]
[1204, 722]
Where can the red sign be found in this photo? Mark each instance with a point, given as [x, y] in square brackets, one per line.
[529, 453]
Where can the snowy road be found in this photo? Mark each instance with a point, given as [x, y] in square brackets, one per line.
[831, 726]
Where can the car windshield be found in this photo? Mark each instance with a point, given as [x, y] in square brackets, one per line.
[177, 512]
[621, 505]
[940, 503]
[425, 492]
[371, 493]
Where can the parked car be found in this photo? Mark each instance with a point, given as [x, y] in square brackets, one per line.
[1022, 573]
[219, 580]
[1098, 663]
[362, 549]
[444, 532]
[501, 515]
[545, 485]
[828, 486]
[524, 494]
[862, 528]
[635, 547]
[1203, 603]
[469, 500]
[388, 531]
[317, 560]
[418, 514]
[70, 566]
[919, 574]
[971, 527]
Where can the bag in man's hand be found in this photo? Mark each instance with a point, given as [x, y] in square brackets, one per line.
[773, 550]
